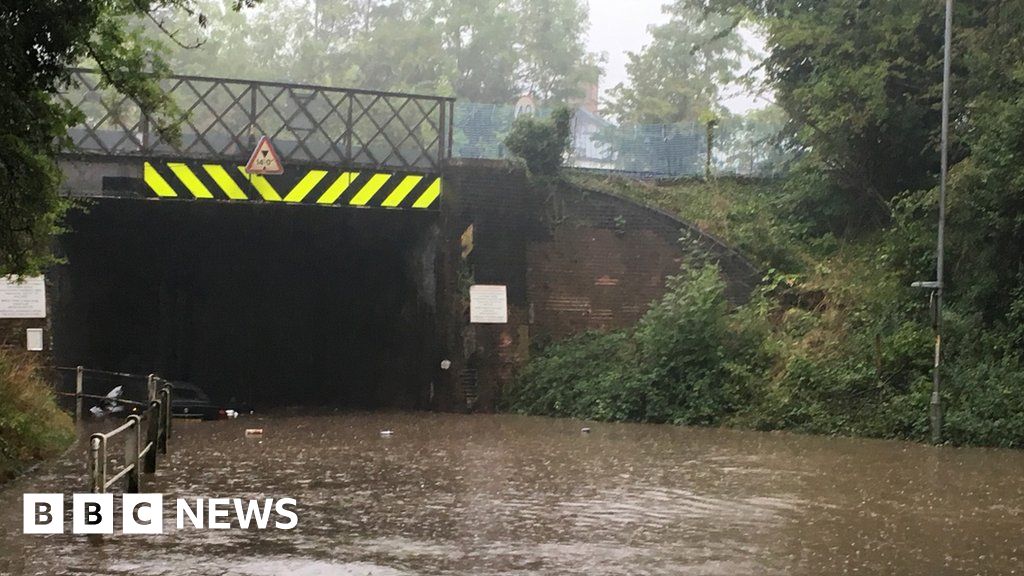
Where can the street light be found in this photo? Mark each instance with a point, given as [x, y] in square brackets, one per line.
[936, 286]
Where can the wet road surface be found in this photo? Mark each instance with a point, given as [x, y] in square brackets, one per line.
[482, 495]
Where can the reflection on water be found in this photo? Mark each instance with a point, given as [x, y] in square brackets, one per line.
[450, 494]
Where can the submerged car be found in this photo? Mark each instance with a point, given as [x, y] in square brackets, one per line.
[190, 401]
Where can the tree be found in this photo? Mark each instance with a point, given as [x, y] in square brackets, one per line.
[480, 39]
[680, 74]
[862, 81]
[554, 63]
[41, 40]
[481, 50]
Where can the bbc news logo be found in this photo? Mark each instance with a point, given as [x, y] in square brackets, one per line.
[144, 513]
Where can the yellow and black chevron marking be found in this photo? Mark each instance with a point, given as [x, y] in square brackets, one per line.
[363, 188]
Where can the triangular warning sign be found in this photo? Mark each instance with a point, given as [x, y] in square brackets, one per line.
[264, 159]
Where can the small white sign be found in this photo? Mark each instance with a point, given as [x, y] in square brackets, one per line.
[34, 339]
[22, 300]
[488, 304]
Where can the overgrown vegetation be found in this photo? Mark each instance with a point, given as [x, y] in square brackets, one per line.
[670, 368]
[32, 427]
[834, 342]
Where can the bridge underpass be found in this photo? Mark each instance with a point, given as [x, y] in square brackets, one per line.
[256, 303]
[313, 287]
[345, 280]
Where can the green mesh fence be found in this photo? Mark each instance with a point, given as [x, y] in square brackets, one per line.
[655, 150]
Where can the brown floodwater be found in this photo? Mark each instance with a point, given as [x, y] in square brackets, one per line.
[481, 495]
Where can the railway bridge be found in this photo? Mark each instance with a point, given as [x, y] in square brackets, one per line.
[347, 279]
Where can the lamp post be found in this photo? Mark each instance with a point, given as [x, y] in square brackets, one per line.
[936, 287]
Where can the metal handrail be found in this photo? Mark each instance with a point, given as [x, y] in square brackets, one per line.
[139, 456]
[98, 371]
[152, 381]
[105, 399]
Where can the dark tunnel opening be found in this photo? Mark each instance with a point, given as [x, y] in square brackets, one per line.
[261, 304]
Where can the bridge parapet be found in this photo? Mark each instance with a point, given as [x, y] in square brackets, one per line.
[309, 125]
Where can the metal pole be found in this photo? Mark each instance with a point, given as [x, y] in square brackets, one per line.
[936, 402]
[97, 472]
[710, 147]
[167, 410]
[131, 454]
[349, 128]
[152, 435]
[442, 134]
[451, 128]
[252, 115]
[97, 464]
[144, 121]
[79, 381]
[162, 415]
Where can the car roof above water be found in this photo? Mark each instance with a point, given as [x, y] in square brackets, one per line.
[188, 391]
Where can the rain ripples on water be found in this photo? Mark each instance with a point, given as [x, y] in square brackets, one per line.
[471, 495]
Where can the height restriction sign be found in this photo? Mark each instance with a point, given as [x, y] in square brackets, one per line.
[264, 159]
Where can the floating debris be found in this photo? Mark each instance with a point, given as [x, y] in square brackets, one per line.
[585, 430]
[386, 433]
[254, 431]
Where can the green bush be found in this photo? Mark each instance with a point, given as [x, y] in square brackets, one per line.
[542, 144]
[588, 376]
[983, 384]
[985, 403]
[676, 366]
[32, 427]
[680, 343]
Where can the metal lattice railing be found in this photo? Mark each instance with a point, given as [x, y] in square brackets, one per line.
[307, 124]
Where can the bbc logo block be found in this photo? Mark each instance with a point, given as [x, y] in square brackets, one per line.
[144, 513]
[93, 514]
[43, 514]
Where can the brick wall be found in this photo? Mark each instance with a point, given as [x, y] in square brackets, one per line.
[497, 201]
[573, 260]
[12, 332]
[604, 259]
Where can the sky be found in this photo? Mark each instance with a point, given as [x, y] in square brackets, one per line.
[620, 26]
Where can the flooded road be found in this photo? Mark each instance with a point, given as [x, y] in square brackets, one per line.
[472, 495]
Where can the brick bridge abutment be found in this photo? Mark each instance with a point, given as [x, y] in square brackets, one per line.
[275, 304]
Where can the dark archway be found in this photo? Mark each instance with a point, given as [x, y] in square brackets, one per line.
[268, 304]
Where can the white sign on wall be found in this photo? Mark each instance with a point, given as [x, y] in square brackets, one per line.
[22, 300]
[34, 339]
[488, 304]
